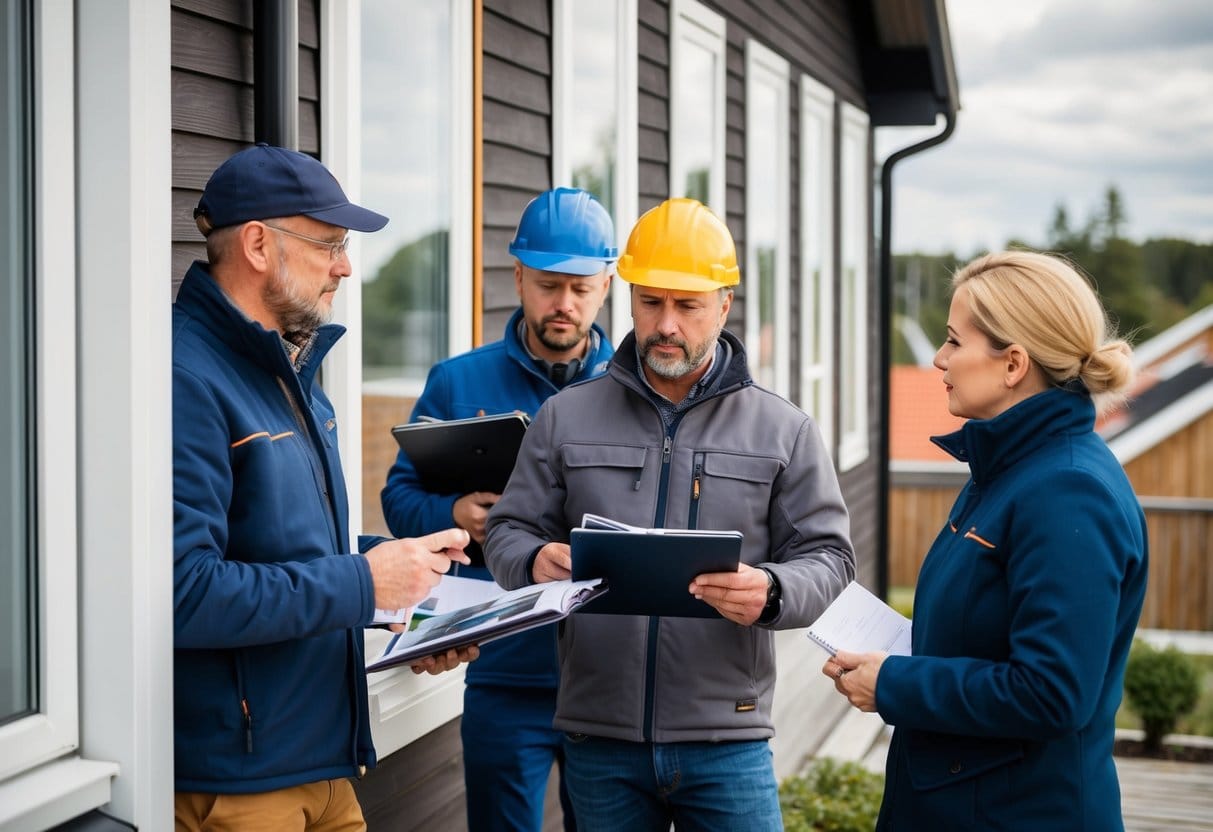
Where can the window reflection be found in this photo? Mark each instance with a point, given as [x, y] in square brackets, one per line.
[764, 222]
[17, 692]
[594, 102]
[406, 156]
[696, 100]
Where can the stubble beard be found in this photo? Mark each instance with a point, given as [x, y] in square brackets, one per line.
[675, 368]
[298, 317]
[556, 342]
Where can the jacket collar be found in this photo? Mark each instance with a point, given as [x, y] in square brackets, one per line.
[206, 302]
[991, 446]
[594, 363]
[736, 373]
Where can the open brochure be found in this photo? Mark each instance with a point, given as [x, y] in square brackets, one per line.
[859, 622]
[508, 613]
[650, 570]
[451, 593]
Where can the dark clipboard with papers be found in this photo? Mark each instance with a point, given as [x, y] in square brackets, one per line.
[459, 456]
[649, 570]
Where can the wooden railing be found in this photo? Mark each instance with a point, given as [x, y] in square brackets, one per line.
[1179, 595]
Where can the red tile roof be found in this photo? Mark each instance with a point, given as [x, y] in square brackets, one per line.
[918, 406]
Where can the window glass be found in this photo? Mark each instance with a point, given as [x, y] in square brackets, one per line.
[17, 653]
[592, 127]
[817, 254]
[696, 102]
[406, 156]
[853, 419]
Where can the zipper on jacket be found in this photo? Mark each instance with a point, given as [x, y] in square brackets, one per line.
[696, 491]
[663, 487]
[650, 675]
[314, 458]
[248, 726]
[244, 708]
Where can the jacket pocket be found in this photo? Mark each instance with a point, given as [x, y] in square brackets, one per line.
[938, 760]
[602, 469]
[735, 493]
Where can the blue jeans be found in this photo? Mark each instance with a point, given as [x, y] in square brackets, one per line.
[509, 746]
[637, 786]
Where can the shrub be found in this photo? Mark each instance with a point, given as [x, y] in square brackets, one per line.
[831, 797]
[1160, 687]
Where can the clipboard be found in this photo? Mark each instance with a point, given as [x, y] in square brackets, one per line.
[649, 570]
[459, 456]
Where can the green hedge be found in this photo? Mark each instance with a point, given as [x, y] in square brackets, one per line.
[831, 797]
[1160, 687]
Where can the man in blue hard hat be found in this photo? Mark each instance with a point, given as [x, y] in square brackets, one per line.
[564, 252]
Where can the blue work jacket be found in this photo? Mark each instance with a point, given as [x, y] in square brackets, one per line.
[268, 602]
[1024, 613]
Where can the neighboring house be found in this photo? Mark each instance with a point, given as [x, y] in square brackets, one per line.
[1162, 435]
[447, 116]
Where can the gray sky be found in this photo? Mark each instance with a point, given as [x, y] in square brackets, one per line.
[1059, 99]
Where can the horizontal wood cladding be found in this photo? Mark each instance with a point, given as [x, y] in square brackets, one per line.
[516, 86]
[653, 102]
[517, 130]
[211, 84]
[1178, 466]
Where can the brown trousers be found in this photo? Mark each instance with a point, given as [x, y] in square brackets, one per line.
[326, 806]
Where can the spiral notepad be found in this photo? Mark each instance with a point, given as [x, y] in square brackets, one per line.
[859, 622]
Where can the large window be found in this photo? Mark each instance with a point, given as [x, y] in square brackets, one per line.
[412, 168]
[594, 114]
[18, 646]
[853, 314]
[817, 255]
[767, 301]
[697, 100]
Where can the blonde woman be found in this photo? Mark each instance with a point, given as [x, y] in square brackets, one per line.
[1027, 602]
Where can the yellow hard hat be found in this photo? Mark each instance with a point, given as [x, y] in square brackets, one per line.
[680, 245]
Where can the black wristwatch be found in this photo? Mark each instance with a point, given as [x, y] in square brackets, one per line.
[774, 593]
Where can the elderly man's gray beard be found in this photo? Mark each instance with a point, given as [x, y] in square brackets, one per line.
[675, 368]
[298, 317]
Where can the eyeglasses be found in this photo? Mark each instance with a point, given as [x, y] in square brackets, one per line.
[335, 249]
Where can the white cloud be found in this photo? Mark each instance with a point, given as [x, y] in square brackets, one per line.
[1060, 100]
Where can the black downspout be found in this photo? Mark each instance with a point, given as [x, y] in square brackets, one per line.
[885, 340]
[276, 72]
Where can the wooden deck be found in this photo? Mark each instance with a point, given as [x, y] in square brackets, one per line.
[1159, 794]
[1155, 794]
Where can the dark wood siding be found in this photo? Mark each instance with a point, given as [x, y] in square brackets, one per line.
[212, 99]
[517, 138]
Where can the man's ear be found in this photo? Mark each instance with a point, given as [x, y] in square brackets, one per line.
[1017, 365]
[518, 278]
[256, 246]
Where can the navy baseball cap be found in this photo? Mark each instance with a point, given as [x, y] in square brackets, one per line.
[264, 181]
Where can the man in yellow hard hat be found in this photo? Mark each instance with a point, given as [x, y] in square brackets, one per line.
[667, 719]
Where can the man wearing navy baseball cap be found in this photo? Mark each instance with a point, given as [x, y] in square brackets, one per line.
[270, 698]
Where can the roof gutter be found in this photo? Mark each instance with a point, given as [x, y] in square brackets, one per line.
[884, 338]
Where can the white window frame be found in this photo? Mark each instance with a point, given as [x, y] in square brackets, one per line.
[626, 130]
[54, 730]
[403, 707]
[855, 213]
[765, 68]
[694, 23]
[103, 151]
[817, 275]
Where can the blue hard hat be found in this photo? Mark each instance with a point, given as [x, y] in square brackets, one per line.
[565, 230]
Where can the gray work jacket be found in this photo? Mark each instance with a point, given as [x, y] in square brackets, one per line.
[602, 447]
